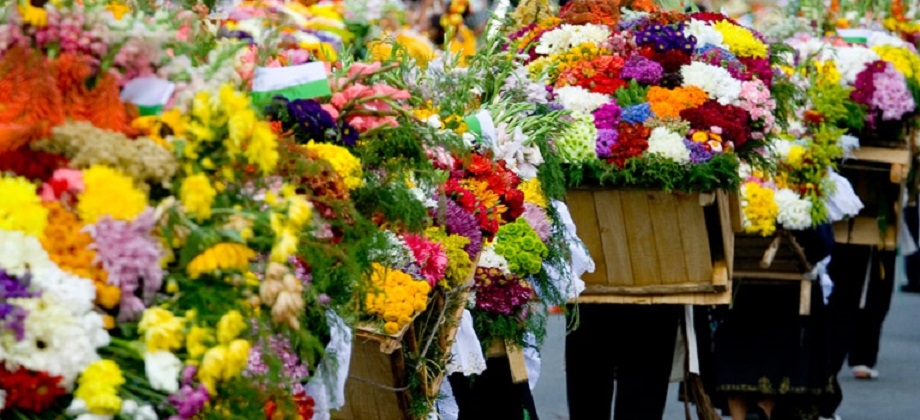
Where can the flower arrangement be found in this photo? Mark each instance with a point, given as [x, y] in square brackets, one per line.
[664, 100]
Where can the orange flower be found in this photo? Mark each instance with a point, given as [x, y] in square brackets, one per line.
[481, 190]
[69, 247]
[669, 102]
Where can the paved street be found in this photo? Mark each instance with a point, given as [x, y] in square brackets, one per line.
[891, 397]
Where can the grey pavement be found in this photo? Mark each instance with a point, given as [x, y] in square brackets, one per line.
[893, 396]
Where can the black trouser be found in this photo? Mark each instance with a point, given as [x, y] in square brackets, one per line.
[912, 261]
[492, 395]
[855, 332]
[632, 343]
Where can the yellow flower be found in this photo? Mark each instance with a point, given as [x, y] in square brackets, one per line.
[902, 59]
[285, 246]
[230, 326]
[394, 297]
[222, 256]
[346, 165]
[197, 196]
[263, 147]
[161, 329]
[796, 156]
[109, 192]
[827, 72]
[32, 15]
[20, 207]
[98, 387]
[533, 192]
[118, 9]
[196, 342]
[223, 363]
[481, 190]
[415, 45]
[760, 209]
[299, 211]
[740, 41]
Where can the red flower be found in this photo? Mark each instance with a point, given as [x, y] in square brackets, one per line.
[480, 165]
[32, 391]
[734, 121]
[631, 142]
[464, 197]
[30, 164]
[515, 200]
[671, 60]
[814, 117]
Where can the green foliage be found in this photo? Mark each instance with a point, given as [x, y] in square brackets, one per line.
[833, 102]
[659, 173]
[632, 94]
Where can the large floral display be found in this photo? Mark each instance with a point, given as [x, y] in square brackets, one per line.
[200, 209]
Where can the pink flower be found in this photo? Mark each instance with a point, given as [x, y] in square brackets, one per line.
[363, 69]
[62, 181]
[429, 255]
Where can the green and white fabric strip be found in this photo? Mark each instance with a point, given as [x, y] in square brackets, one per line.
[482, 125]
[305, 81]
[150, 94]
[855, 36]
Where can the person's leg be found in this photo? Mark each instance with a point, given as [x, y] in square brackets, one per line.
[590, 363]
[912, 261]
[644, 371]
[848, 272]
[864, 351]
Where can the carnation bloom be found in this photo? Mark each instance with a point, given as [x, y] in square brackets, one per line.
[430, 257]
[104, 183]
[161, 330]
[20, 208]
[197, 196]
[668, 144]
[759, 209]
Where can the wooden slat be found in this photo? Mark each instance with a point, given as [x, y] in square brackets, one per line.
[805, 297]
[865, 231]
[769, 275]
[654, 289]
[694, 239]
[581, 207]
[883, 154]
[609, 208]
[641, 237]
[735, 204]
[728, 234]
[516, 362]
[720, 276]
[699, 299]
[666, 229]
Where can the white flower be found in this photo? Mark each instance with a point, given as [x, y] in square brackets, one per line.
[851, 61]
[578, 99]
[469, 139]
[520, 158]
[744, 171]
[848, 143]
[132, 411]
[390, 250]
[882, 38]
[55, 341]
[781, 149]
[567, 36]
[434, 121]
[19, 251]
[715, 81]
[488, 258]
[668, 144]
[74, 293]
[704, 33]
[423, 198]
[794, 211]
[163, 369]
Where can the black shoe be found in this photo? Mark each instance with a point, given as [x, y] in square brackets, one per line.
[756, 413]
[911, 288]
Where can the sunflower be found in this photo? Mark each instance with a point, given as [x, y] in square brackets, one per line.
[33, 12]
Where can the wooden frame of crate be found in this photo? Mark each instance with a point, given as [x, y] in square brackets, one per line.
[654, 247]
[777, 258]
[864, 229]
[378, 379]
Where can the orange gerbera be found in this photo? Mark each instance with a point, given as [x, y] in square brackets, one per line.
[669, 102]
[481, 190]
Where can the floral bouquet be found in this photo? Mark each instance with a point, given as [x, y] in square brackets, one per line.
[660, 100]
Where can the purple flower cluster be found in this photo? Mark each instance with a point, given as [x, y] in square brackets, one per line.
[305, 118]
[301, 271]
[13, 317]
[637, 114]
[633, 24]
[891, 95]
[292, 373]
[698, 152]
[460, 222]
[665, 38]
[189, 401]
[606, 139]
[500, 294]
[643, 70]
[864, 85]
[129, 254]
[537, 219]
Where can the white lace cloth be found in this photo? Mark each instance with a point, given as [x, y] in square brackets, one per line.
[843, 202]
[466, 353]
[327, 385]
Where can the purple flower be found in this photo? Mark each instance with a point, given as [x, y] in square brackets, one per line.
[891, 95]
[459, 222]
[665, 38]
[279, 348]
[537, 219]
[643, 70]
[305, 118]
[12, 287]
[500, 294]
[130, 254]
[13, 318]
[607, 116]
[189, 401]
[698, 152]
[606, 139]
[323, 299]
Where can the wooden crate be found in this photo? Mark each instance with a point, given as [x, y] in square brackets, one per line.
[879, 177]
[655, 247]
[777, 258]
[378, 379]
